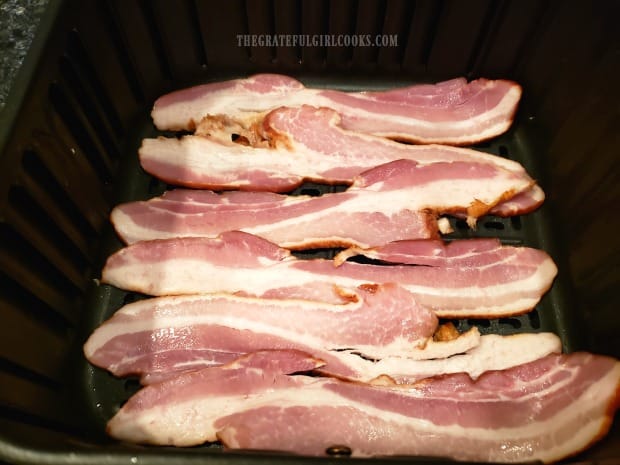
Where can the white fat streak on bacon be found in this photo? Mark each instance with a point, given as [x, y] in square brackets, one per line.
[377, 321]
[430, 252]
[276, 361]
[428, 118]
[542, 425]
[193, 265]
[493, 352]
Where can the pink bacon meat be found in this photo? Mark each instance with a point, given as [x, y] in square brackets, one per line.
[453, 112]
[395, 201]
[161, 337]
[308, 144]
[237, 262]
[544, 410]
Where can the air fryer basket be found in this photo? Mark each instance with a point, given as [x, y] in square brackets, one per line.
[80, 107]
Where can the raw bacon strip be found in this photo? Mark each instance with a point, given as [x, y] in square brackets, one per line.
[162, 337]
[544, 410]
[274, 361]
[237, 262]
[307, 144]
[376, 321]
[390, 202]
[295, 222]
[451, 112]
[493, 352]
[469, 353]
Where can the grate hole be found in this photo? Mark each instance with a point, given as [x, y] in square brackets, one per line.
[315, 189]
[132, 297]
[89, 109]
[503, 150]
[77, 52]
[461, 225]
[480, 322]
[35, 168]
[316, 253]
[534, 318]
[482, 145]
[512, 322]
[156, 187]
[310, 191]
[38, 219]
[15, 294]
[515, 222]
[338, 188]
[132, 385]
[81, 135]
[496, 225]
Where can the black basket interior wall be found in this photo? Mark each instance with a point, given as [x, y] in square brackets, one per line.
[81, 105]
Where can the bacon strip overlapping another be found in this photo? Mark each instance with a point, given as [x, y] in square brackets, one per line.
[395, 201]
[377, 331]
[303, 144]
[543, 410]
